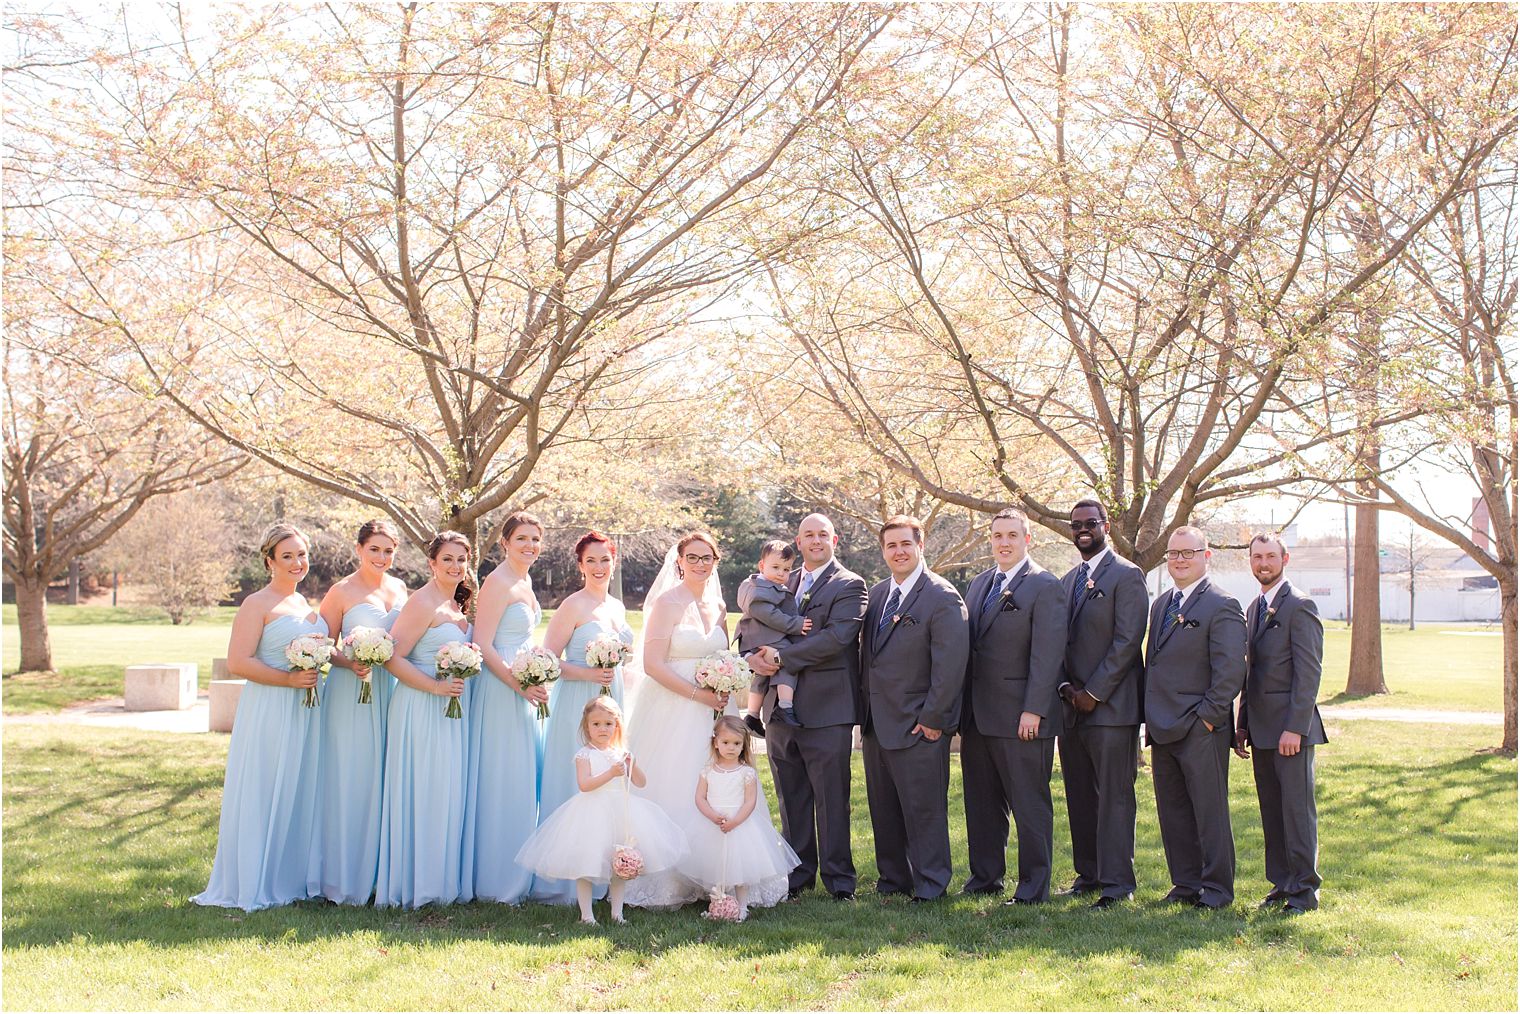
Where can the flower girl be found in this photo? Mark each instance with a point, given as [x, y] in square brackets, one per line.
[734, 845]
[578, 841]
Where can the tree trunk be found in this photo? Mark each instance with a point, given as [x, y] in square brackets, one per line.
[1366, 672]
[31, 616]
[1510, 620]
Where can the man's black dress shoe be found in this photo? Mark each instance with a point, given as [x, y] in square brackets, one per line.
[1273, 899]
[1016, 900]
[970, 891]
[1180, 899]
[843, 895]
[1077, 890]
[1102, 903]
[1292, 909]
[1200, 903]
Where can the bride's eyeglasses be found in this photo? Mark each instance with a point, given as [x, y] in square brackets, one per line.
[698, 561]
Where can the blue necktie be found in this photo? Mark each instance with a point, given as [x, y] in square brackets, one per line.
[1079, 586]
[1174, 610]
[992, 593]
[1261, 615]
[886, 613]
[804, 586]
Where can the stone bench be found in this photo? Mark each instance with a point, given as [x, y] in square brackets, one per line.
[224, 702]
[161, 686]
[219, 669]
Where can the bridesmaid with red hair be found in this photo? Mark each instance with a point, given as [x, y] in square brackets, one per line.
[584, 616]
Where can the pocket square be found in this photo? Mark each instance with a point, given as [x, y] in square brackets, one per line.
[1096, 593]
[1272, 625]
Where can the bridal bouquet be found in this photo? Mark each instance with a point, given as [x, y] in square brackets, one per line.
[535, 667]
[368, 646]
[309, 651]
[457, 660]
[724, 672]
[607, 651]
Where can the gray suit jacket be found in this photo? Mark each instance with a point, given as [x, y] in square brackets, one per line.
[913, 672]
[1104, 634]
[769, 614]
[1195, 668]
[1017, 648]
[826, 660]
[1282, 682]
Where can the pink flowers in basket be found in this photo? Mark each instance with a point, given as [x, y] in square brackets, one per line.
[722, 907]
[627, 862]
[724, 672]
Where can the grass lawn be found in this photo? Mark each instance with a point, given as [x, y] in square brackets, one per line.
[1453, 668]
[108, 833]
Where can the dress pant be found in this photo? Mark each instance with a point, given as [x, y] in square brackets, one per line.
[908, 791]
[1098, 765]
[1005, 775]
[811, 769]
[1289, 823]
[1192, 780]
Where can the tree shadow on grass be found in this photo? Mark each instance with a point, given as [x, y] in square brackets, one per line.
[116, 859]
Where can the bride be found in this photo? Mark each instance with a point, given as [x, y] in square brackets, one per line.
[672, 718]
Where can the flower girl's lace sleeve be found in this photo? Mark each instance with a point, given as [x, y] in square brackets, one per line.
[749, 773]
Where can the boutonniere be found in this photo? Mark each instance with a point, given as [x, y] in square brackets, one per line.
[1091, 584]
[806, 598]
[1183, 621]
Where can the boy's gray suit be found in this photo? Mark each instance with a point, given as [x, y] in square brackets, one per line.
[1282, 681]
[1194, 670]
[1105, 631]
[912, 671]
[770, 618]
[811, 765]
[1017, 646]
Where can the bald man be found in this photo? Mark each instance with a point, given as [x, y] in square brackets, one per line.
[810, 762]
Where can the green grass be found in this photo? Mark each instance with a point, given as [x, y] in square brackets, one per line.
[1425, 668]
[108, 833]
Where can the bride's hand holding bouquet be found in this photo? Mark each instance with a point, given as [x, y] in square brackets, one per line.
[724, 673]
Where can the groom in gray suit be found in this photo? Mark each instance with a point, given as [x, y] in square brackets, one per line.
[1011, 712]
[810, 762]
[1194, 670]
[1280, 722]
[913, 653]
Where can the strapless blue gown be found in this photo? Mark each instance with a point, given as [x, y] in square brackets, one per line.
[353, 761]
[422, 804]
[266, 847]
[562, 738]
[500, 803]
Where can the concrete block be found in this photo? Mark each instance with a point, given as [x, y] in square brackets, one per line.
[161, 686]
[219, 669]
[224, 702]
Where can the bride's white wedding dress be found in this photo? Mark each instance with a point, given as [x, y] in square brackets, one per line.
[669, 735]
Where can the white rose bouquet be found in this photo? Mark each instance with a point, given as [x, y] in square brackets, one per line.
[607, 651]
[309, 651]
[368, 646]
[535, 667]
[724, 672]
[457, 660]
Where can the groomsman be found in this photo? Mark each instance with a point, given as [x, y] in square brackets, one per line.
[1103, 683]
[1194, 670]
[1010, 712]
[1280, 722]
[811, 763]
[913, 668]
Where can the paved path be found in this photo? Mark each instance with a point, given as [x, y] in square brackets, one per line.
[112, 713]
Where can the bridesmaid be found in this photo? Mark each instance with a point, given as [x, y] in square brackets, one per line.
[265, 849]
[582, 617]
[353, 734]
[501, 799]
[422, 804]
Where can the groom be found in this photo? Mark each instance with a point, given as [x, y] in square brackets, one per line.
[810, 762]
[913, 655]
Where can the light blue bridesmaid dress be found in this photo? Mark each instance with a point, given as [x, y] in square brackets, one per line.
[501, 799]
[422, 804]
[266, 848]
[562, 737]
[353, 761]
